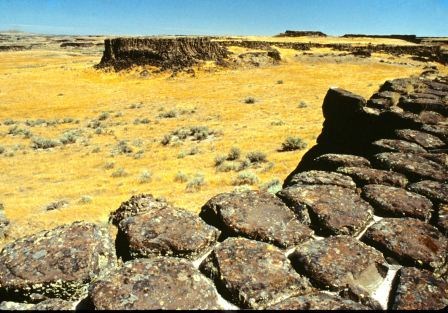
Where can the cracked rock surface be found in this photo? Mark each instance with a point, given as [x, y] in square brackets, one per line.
[256, 215]
[253, 274]
[332, 161]
[367, 176]
[159, 283]
[322, 178]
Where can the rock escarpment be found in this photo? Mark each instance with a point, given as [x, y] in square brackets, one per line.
[301, 33]
[360, 224]
[121, 53]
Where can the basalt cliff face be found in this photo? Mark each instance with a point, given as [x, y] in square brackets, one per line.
[165, 53]
[362, 223]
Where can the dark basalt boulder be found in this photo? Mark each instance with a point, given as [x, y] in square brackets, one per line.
[439, 130]
[420, 104]
[413, 166]
[253, 274]
[166, 231]
[397, 202]
[322, 178]
[338, 261]
[159, 283]
[425, 140]
[418, 289]
[256, 215]
[58, 263]
[410, 241]
[366, 176]
[331, 161]
[433, 190]
[330, 210]
[137, 204]
[341, 105]
[394, 145]
[317, 301]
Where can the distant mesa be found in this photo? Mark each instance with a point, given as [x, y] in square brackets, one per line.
[301, 33]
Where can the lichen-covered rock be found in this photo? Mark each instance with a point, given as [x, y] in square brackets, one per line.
[257, 215]
[418, 289]
[397, 202]
[317, 301]
[335, 262]
[435, 191]
[159, 283]
[423, 139]
[46, 305]
[413, 166]
[367, 176]
[322, 178]
[331, 209]
[410, 241]
[394, 145]
[439, 130]
[253, 274]
[59, 263]
[167, 231]
[442, 218]
[137, 204]
[331, 161]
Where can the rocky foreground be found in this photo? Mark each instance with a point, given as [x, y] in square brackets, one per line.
[362, 223]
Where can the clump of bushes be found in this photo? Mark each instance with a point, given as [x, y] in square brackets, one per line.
[43, 143]
[234, 154]
[272, 186]
[85, 199]
[293, 143]
[2, 149]
[141, 121]
[256, 157]
[17, 131]
[122, 148]
[249, 100]
[302, 105]
[103, 116]
[8, 121]
[168, 114]
[277, 123]
[245, 178]
[196, 183]
[70, 136]
[180, 177]
[197, 133]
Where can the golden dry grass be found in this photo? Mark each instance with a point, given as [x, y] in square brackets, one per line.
[55, 85]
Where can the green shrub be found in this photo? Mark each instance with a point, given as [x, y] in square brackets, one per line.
[169, 114]
[280, 82]
[302, 105]
[241, 189]
[249, 100]
[234, 154]
[196, 183]
[245, 178]
[293, 143]
[2, 149]
[70, 136]
[277, 123]
[180, 177]
[256, 157]
[246, 163]
[219, 159]
[109, 165]
[272, 186]
[43, 143]
[122, 148]
[8, 121]
[94, 124]
[103, 116]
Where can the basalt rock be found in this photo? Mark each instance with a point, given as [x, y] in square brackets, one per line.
[253, 274]
[434, 190]
[394, 145]
[166, 53]
[365, 176]
[301, 33]
[442, 218]
[59, 263]
[338, 261]
[425, 140]
[397, 202]
[418, 289]
[322, 178]
[330, 210]
[256, 215]
[154, 284]
[153, 233]
[46, 305]
[331, 161]
[411, 242]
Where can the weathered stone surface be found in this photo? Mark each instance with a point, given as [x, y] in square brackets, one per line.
[397, 202]
[137, 204]
[431, 118]
[366, 176]
[317, 301]
[253, 274]
[322, 178]
[393, 145]
[421, 104]
[167, 231]
[410, 241]
[57, 264]
[332, 209]
[423, 139]
[360, 295]
[257, 215]
[159, 283]
[433, 190]
[413, 166]
[442, 218]
[338, 261]
[439, 130]
[331, 161]
[419, 290]
[46, 305]
[441, 158]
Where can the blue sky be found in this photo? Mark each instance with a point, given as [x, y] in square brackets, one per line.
[225, 17]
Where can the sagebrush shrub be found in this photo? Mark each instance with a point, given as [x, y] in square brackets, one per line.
[293, 143]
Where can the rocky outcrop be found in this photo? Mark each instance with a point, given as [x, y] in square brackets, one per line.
[301, 33]
[166, 53]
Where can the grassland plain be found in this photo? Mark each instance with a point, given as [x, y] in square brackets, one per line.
[113, 125]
